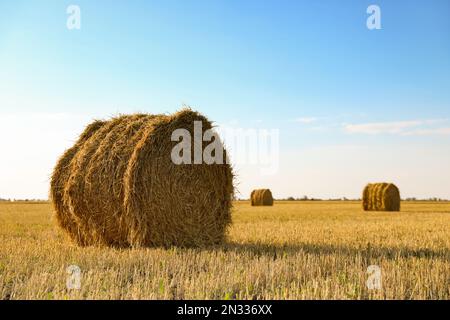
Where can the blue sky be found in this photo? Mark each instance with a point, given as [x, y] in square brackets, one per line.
[374, 104]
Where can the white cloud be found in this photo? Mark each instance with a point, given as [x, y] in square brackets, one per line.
[435, 121]
[381, 127]
[405, 128]
[429, 132]
[305, 120]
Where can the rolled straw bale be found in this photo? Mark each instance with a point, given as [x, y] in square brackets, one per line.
[119, 187]
[60, 176]
[381, 197]
[261, 197]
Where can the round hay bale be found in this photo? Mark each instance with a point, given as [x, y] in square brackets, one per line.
[59, 178]
[261, 197]
[381, 197]
[365, 198]
[119, 186]
[391, 198]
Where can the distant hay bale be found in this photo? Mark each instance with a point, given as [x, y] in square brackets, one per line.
[261, 197]
[381, 197]
[117, 186]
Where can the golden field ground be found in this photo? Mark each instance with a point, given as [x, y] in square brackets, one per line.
[293, 250]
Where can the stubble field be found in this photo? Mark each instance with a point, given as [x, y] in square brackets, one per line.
[293, 250]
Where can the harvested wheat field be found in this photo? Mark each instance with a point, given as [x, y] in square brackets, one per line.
[294, 250]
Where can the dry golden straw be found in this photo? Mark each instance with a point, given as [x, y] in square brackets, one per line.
[381, 197]
[117, 186]
[261, 197]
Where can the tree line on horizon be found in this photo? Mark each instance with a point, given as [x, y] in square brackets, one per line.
[304, 198]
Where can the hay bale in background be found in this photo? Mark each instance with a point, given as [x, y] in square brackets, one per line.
[119, 187]
[381, 197]
[261, 197]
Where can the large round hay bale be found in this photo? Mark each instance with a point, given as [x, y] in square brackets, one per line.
[119, 187]
[261, 197]
[59, 179]
[381, 197]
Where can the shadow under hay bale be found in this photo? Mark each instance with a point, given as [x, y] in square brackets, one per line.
[261, 197]
[381, 197]
[118, 186]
